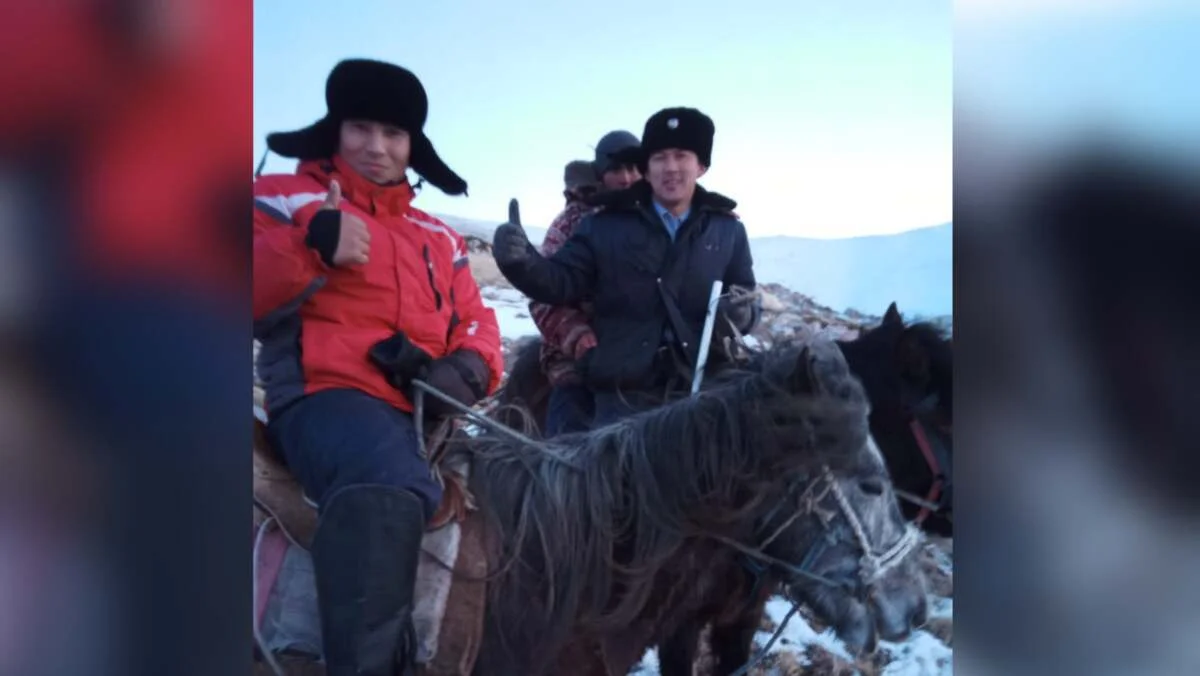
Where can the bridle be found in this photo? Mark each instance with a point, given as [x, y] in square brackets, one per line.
[936, 456]
[873, 563]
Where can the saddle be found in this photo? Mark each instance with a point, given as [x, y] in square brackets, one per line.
[278, 493]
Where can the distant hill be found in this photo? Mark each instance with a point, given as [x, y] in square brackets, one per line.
[913, 268]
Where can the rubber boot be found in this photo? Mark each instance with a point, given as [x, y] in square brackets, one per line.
[365, 554]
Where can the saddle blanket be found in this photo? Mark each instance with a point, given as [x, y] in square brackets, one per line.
[286, 602]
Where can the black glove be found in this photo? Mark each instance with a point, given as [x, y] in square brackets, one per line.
[462, 375]
[510, 244]
[400, 361]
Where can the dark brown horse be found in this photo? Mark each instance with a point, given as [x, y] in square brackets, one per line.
[602, 543]
[906, 371]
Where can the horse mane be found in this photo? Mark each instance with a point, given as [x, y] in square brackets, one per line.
[581, 525]
[936, 337]
[513, 410]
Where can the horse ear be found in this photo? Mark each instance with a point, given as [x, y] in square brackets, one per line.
[817, 366]
[804, 378]
[892, 316]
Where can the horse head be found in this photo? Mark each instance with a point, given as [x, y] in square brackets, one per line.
[827, 519]
[908, 371]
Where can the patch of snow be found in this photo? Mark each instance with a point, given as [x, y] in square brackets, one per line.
[512, 311]
[648, 666]
[797, 634]
[921, 655]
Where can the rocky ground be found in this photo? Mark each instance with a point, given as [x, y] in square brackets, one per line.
[787, 314]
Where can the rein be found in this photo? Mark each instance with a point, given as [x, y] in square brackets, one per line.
[872, 564]
[422, 388]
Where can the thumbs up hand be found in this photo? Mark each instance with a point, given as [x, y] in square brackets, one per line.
[514, 212]
[334, 197]
[510, 244]
[353, 239]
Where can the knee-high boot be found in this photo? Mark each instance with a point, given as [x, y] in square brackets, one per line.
[365, 554]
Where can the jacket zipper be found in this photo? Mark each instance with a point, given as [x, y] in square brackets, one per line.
[454, 320]
[674, 245]
[437, 296]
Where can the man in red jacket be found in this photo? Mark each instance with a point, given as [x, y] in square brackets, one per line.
[566, 332]
[356, 293]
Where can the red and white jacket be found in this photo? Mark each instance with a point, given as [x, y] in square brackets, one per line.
[317, 323]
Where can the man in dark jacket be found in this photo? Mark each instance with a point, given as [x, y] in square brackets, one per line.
[566, 329]
[647, 261]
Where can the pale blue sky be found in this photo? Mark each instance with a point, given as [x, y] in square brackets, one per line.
[1047, 71]
[833, 118]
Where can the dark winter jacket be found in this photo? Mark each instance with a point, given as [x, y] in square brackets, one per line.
[640, 282]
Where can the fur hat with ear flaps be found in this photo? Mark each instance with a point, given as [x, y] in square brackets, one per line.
[683, 128]
[366, 89]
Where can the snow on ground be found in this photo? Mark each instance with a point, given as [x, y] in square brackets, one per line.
[797, 632]
[512, 311]
[921, 655]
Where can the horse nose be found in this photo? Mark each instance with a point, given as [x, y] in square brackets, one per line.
[897, 620]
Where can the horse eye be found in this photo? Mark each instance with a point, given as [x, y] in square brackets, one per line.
[871, 486]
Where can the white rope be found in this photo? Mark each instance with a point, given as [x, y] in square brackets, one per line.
[873, 567]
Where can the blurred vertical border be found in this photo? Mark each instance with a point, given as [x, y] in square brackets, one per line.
[125, 196]
[1077, 236]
